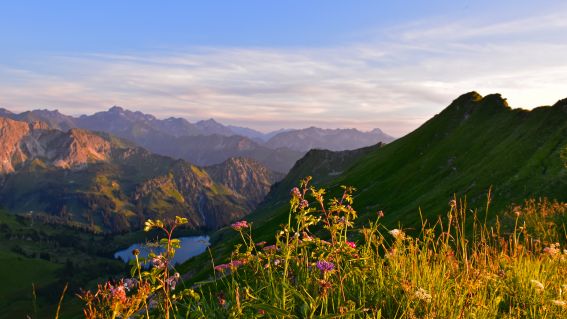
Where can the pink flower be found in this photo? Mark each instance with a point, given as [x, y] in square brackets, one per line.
[230, 266]
[172, 281]
[222, 267]
[238, 226]
[295, 192]
[351, 244]
[119, 293]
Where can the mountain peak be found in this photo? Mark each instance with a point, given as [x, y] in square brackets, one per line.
[471, 102]
[209, 121]
[494, 101]
[116, 109]
[4, 111]
[472, 96]
[561, 104]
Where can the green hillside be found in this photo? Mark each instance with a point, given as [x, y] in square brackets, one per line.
[475, 145]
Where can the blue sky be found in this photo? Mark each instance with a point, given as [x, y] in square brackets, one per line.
[272, 64]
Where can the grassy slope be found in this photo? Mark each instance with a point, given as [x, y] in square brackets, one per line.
[474, 144]
[49, 256]
[471, 146]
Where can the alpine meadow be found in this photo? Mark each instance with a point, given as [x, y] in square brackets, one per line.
[291, 159]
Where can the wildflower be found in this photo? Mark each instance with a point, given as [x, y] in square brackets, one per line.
[222, 267]
[397, 234]
[423, 295]
[537, 284]
[231, 265]
[325, 266]
[118, 293]
[295, 192]
[277, 262]
[135, 252]
[552, 250]
[159, 261]
[380, 214]
[261, 244]
[559, 303]
[303, 204]
[351, 244]
[238, 226]
[172, 281]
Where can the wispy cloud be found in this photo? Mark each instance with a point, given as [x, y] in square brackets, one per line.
[394, 83]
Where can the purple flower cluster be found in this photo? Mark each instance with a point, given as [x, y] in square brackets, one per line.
[238, 226]
[325, 266]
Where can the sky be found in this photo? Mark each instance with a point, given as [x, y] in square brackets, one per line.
[275, 64]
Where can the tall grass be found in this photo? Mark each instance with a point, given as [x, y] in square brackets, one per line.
[320, 265]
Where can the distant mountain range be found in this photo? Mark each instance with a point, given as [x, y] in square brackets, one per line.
[100, 183]
[207, 142]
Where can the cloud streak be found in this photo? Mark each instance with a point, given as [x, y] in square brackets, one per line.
[395, 82]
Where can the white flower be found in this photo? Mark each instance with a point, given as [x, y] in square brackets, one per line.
[423, 295]
[396, 233]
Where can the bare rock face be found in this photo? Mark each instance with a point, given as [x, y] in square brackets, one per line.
[78, 147]
[21, 142]
[11, 135]
[244, 176]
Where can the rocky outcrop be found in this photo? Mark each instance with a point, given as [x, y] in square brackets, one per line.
[23, 142]
[245, 177]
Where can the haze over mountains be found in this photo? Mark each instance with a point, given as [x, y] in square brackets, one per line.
[207, 142]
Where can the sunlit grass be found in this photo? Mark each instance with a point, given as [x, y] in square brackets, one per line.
[321, 265]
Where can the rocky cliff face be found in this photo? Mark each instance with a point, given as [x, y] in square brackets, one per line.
[22, 142]
[245, 177]
[103, 184]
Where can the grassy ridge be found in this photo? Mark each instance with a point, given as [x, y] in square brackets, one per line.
[475, 145]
